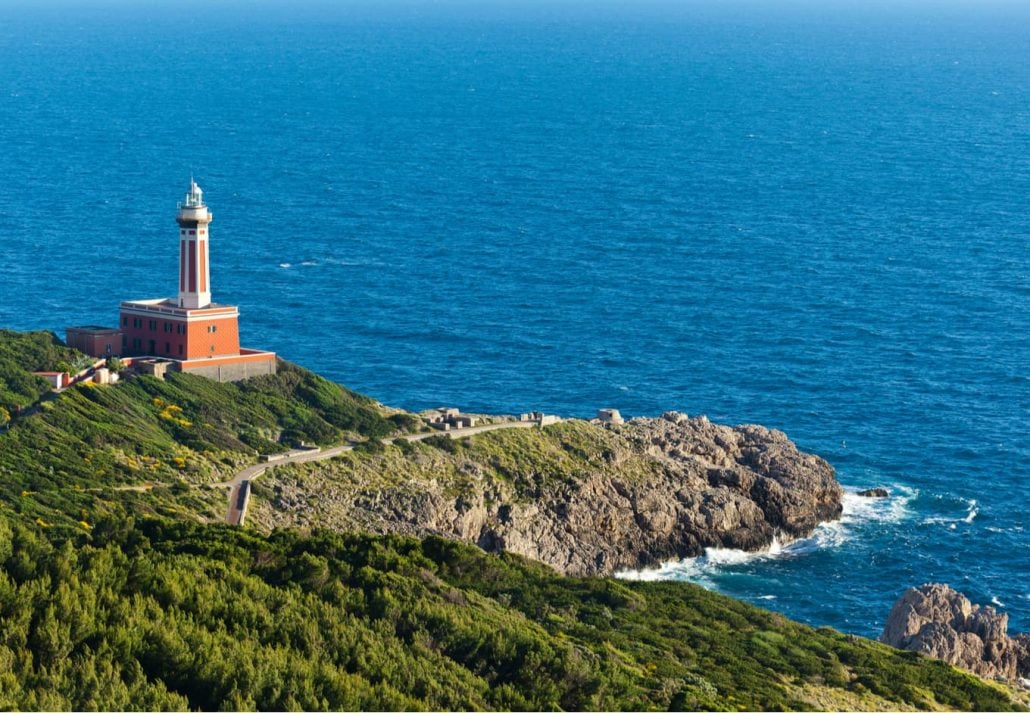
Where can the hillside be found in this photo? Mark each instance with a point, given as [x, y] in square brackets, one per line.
[84, 448]
[113, 598]
[584, 498]
[177, 615]
[22, 354]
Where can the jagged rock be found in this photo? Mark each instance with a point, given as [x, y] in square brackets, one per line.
[874, 493]
[940, 622]
[1022, 642]
[704, 485]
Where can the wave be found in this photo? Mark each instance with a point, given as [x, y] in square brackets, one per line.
[330, 261]
[699, 569]
[972, 510]
[893, 509]
[728, 556]
[345, 262]
[857, 510]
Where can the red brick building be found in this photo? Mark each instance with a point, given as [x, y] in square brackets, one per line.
[198, 335]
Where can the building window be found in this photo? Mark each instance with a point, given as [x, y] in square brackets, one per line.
[152, 324]
[180, 350]
[212, 328]
[125, 321]
[137, 322]
[168, 348]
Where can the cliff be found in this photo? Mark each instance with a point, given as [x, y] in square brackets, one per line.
[583, 498]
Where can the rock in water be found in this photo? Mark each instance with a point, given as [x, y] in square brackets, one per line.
[940, 622]
[874, 493]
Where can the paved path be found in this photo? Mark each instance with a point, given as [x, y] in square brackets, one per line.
[238, 505]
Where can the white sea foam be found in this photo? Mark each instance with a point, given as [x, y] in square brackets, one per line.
[700, 569]
[345, 262]
[996, 602]
[952, 522]
[688, 569]
[971, 513]
[895, 508]
[857, 510]
[728, 556]
[285, 265]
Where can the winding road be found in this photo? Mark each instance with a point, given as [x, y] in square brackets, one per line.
[237, 511]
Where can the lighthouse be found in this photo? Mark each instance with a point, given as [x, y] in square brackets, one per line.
[194, 267]
[190, 332]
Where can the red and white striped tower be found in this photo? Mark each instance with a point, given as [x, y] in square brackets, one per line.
[194, 266]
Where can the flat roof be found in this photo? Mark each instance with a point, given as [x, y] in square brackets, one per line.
[170, 302]
[93, 328]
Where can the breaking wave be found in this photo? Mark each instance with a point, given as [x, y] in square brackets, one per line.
[893, 509]
[972, 510]
[857, 512]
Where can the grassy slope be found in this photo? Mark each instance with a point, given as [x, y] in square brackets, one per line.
[139, 605]
[63, 463]
[20, 355]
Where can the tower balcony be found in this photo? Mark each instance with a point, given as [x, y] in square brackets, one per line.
[194, 215]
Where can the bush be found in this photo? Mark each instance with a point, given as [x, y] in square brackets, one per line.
[444, 443]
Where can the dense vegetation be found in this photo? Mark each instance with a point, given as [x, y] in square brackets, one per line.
[117, 599]
[20, 355]
[78, 446]
[173, 615]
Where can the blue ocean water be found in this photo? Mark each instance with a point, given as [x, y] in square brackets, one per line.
[810, 216]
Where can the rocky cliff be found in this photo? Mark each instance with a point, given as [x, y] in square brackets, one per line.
[582, 498]
[940, 622]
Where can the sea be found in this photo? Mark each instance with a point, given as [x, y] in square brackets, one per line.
[809, 215]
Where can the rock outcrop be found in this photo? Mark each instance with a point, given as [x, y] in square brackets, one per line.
[874, 493]
[630, 496]
[940, 622]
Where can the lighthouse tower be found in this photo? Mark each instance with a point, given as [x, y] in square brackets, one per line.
[190, 331]
[194, 267]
